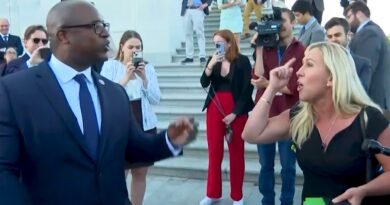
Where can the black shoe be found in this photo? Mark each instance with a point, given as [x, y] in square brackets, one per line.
[187, 60]
[202, 60]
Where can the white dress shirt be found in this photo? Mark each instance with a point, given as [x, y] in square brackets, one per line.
[65, 77]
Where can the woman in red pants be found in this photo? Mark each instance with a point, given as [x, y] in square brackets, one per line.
[228, 73]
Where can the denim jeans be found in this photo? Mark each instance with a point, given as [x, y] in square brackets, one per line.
[267, 176]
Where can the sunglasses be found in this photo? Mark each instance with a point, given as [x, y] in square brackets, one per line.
[37, 40]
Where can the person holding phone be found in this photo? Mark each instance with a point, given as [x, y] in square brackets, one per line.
[229, 99]
[35, 37]
[139, 80]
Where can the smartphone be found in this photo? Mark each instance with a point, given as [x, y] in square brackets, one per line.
[220, 50]
[137, 58]
[45, 53]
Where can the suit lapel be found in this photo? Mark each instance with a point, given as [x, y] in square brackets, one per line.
[104, 97]
[49, 86]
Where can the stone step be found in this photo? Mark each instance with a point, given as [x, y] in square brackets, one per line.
[171, 113]
[179, 77]
[199, 147]
[182, 88]
[214, 21]
[187, 101]
[196, 168]
[178, 68]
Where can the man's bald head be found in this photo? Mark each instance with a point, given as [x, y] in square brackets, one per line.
[78, 34]
[4, 26]
[67, 13]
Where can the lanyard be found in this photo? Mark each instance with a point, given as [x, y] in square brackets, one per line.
[216, 100]
[279, 55]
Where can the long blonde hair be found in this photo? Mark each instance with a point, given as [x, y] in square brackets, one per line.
[348, 94]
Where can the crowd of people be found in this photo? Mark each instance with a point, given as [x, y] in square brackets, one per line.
[76, 124]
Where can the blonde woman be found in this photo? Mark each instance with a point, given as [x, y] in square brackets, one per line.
[325, 126]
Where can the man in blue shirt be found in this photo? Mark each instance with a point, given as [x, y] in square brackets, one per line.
[311, 31]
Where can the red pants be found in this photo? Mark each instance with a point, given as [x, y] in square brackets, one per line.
[215, 140]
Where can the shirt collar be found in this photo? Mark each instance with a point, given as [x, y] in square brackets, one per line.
[66, 73]
[362, 25]
[310, 22]
[2, 35]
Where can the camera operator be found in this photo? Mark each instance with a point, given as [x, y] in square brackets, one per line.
[266, 59]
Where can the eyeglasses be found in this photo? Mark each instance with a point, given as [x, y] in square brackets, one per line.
[37, 40]
[98, 27]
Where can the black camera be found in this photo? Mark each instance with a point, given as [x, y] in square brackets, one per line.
[268, 29]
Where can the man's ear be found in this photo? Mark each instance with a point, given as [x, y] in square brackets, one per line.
[62, 37]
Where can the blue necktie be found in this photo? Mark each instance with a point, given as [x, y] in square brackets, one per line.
[302, 31]
[5, 38]
[90, 124]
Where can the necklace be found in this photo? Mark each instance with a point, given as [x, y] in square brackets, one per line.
[324, 142]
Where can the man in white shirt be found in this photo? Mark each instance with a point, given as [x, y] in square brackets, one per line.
[65, 131]
[7, 40]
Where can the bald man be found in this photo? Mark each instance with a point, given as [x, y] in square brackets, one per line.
[7, 40]
[65, 131]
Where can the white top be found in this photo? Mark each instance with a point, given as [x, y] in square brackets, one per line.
[114, 70]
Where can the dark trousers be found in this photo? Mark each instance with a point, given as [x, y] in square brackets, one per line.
[316, 13]
[267, 174]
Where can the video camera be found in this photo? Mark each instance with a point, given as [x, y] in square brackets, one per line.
[268, 28]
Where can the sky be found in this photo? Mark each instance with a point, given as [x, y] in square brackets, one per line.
[379, 11]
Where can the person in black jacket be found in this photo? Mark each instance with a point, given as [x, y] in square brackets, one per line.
[337, 30]
[8, 40]
[229, 100]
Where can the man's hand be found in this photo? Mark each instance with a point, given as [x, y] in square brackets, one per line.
[36, 57]
[259, 83]
[183, 131]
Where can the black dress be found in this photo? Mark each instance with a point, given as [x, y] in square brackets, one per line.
[328, 173]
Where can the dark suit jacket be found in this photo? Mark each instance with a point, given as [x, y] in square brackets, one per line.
[185, 2]
[315, 33]
[18, 64]
[371, 43]
[240, 84]
[13, 41]
[43, 154]
[3, 66]
[318, 3]
[363, 69]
